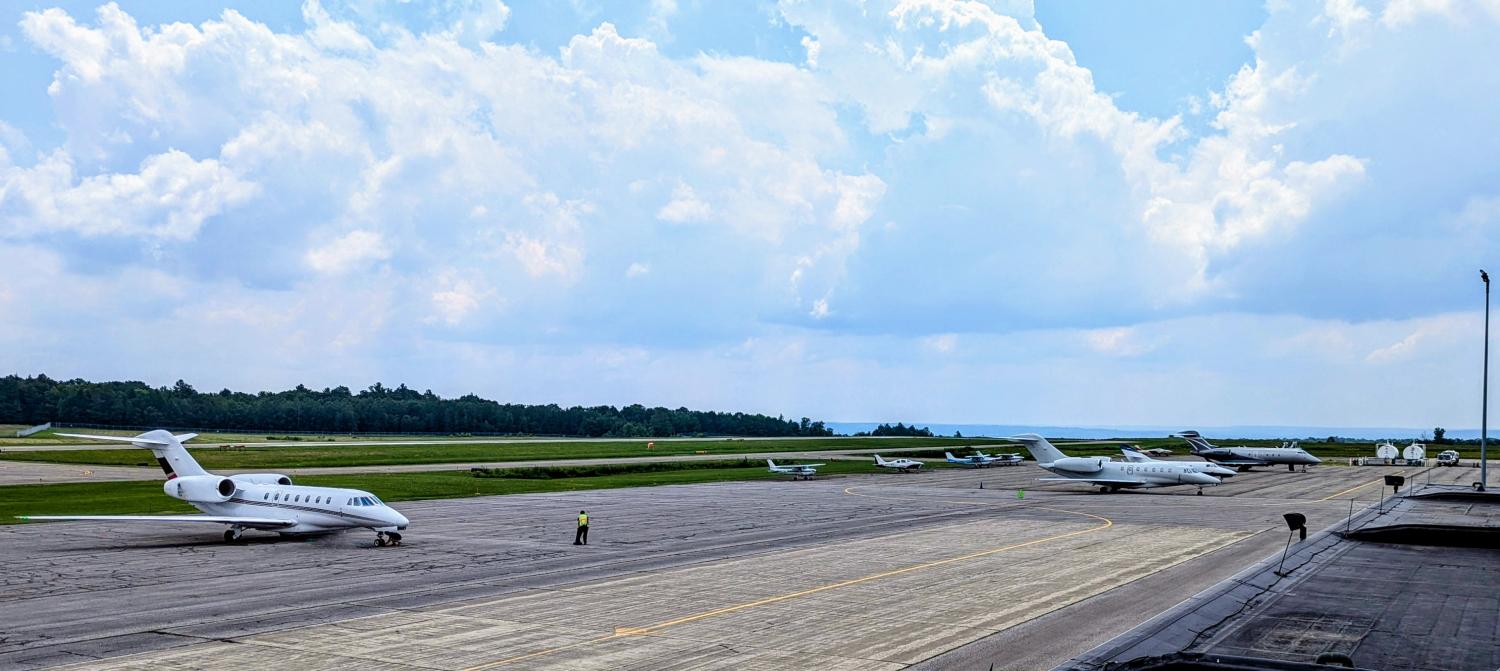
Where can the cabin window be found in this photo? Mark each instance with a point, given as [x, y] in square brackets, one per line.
[277, 497]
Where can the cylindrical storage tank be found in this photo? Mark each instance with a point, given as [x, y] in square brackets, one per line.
[1414, 452]
[1386, 451]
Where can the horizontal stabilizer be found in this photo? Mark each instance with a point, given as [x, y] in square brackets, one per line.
[250, 522]
[117, 439]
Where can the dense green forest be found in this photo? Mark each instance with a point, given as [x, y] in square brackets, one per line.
[379, 409]
[898, 430]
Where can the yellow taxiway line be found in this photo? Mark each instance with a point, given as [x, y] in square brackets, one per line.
[621, 632]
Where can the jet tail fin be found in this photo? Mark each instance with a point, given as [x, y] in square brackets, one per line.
[879, 461]
[1041, 450]
[1195, 442]
[170, 454]
[770, 463]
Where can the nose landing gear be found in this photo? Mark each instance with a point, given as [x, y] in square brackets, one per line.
[384, 538]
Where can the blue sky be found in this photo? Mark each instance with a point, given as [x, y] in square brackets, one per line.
[1075, 212]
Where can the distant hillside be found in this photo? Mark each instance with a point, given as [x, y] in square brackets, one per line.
[1211, 432]
[378, 409]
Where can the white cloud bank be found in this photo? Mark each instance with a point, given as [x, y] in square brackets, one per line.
[427, 198]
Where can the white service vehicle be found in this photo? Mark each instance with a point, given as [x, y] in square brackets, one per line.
[263, 501]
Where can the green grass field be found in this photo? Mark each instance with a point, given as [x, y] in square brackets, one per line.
[387, 455]
[8, 436]
[142, 498]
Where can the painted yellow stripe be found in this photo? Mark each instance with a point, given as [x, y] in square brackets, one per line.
[1346, 491]
[621, 632]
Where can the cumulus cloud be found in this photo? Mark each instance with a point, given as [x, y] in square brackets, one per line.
[348, 252]
[169, 197]
[938, 158]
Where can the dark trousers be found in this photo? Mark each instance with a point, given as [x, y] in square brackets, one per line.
[582, 537]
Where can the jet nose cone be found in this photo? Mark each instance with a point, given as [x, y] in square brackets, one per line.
[399, 519]
[1200, 479]
[1313, 460]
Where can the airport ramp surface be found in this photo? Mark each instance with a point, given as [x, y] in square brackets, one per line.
[885, 571]
[1408, 587]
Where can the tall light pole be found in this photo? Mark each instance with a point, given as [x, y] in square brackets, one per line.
[1484, 412]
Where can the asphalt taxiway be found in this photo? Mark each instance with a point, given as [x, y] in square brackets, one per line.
[886, 571]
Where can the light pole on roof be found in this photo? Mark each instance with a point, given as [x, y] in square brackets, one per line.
[1484, 411]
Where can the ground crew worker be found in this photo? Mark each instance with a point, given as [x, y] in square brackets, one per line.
[582, 537]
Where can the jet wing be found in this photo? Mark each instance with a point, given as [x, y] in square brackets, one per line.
[249, 522]
[1101, 481]
[1237, 461]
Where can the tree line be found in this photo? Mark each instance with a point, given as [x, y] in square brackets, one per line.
[378, 409]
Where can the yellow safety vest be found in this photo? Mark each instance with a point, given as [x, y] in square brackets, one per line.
[583, 520]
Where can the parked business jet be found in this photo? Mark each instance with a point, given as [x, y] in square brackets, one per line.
[264, 501]
[900, 464]
[982, 460]
[1244, 458]
[1111, 475]
[797, 471]
[1137, 457]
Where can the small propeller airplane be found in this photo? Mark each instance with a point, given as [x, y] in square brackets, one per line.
[797, 471]
[899, 464]
[262, 501]
[982, 460]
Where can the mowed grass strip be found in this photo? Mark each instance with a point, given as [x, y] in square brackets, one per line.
[144, 498]
[272, 458]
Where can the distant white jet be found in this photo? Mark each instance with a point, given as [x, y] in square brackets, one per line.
[1111, 475]
[1243, 458]
[901, 464]
[1137, 457]
[797, 471]
[265, 501]
[982, 460]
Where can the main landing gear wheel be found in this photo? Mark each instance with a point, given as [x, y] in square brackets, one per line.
[1200, 491]
[232, 535]
[383, 539]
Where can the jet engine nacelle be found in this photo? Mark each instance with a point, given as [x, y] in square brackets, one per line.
[200, 488]
[263, 479]
[1081, 464]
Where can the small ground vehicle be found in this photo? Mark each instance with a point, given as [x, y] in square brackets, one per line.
[1448, 458]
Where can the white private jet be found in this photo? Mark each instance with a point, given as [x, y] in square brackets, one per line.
[264, 501]
[1110, 475]
[982, 460]
[900, 464]
[797, 471]
[1243, 458]
[1138, 457]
